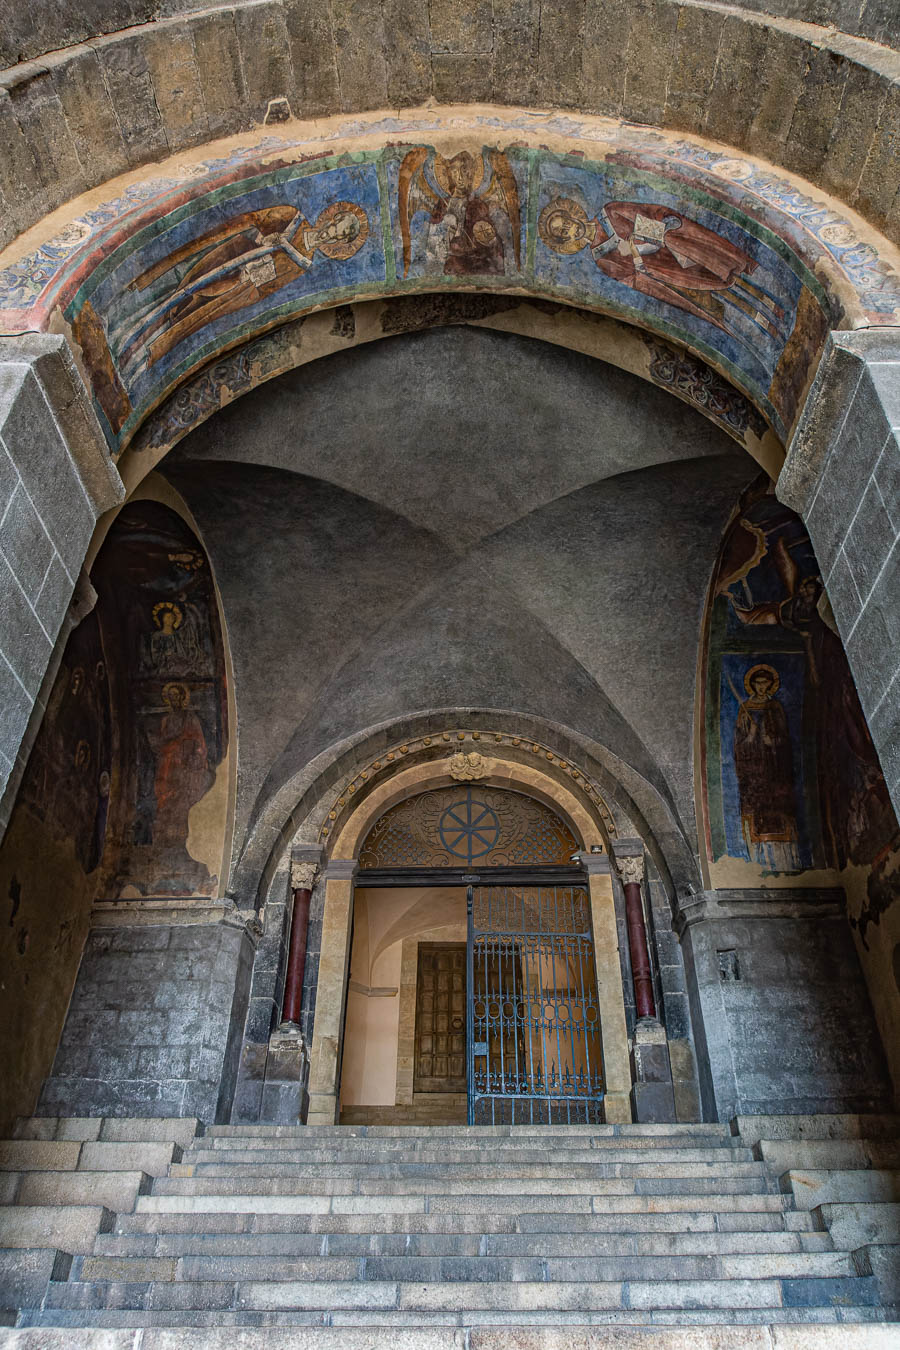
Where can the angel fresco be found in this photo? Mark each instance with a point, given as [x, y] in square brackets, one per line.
[472, 207]
[247, 259]
[663, 254]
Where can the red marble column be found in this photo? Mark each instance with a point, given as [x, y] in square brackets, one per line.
[302, 879]
[631, 871]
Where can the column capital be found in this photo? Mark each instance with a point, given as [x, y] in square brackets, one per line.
[303, 875]
[631, 870]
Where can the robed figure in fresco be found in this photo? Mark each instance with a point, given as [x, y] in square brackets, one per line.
[764, 765]
[663, 254]
[471, 208]
[247, 259]
[182, 766]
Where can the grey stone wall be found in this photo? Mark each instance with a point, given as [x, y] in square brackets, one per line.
[781, 1010]
[155, 1023]
[843, 476]
[808, 98]
[55, 480]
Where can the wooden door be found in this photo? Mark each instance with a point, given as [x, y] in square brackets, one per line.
[440, 1056]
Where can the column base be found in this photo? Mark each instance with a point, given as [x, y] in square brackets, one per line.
[617, 1108]
[652, 1096]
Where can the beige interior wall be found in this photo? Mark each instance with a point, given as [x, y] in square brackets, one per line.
[388, 925]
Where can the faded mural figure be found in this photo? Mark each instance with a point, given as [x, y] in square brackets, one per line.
[472, 205]
[158, 596]
[182, 768]
[223, 271]
[66, 783]
[663, 254]
[764, 762]
[770, 605]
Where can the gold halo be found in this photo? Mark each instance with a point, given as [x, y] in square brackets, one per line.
[175, 684]
[762, 669]
[442, 165]
[568, 207]
[167, 604]
[341, 249]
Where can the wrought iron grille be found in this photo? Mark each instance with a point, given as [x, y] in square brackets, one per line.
[533, 1035]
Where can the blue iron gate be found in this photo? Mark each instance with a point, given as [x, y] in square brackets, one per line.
[533, 1024]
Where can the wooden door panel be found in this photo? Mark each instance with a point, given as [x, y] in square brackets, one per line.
[440, 1040]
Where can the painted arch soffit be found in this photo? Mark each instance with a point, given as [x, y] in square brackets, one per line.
[740, 264]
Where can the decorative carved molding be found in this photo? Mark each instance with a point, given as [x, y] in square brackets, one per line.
[631, 870]
[465, 768]
[303, 876]
[425, 746]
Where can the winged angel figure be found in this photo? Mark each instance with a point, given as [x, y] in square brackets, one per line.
[472, 207]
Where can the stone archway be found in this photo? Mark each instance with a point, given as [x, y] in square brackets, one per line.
[587, 826]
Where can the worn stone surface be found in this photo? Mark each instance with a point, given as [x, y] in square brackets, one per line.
[173, 75]
[795, 1032]
[172, 1019]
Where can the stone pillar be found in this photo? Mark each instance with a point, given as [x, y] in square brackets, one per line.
[652, 1094]
[631, 871]
[57, 480]
[842, 475]
[331, 993]
[303, 876]
[613, 1031]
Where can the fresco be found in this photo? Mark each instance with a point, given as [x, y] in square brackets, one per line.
[159, 609]
[66, 784]
[696, 246]
[792, 777]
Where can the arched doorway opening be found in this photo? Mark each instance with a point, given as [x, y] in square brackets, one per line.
[473, 993]
[480, 957]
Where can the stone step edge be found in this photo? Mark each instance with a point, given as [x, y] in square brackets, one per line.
[713, 1336]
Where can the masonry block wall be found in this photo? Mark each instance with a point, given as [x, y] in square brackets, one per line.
[782, 1006]
[55, 480]
[154, 1027]
[801, 95]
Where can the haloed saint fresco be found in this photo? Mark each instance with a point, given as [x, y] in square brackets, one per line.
[159, 606]
[793, 780]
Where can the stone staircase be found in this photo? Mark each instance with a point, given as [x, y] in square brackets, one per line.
[426, 1235]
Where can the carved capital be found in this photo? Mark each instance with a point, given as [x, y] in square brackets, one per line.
[631, 870]
[303, 876]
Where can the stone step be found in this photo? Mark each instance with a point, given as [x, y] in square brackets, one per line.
[369, 1153]
[539, 1336]
[38, 1155]
[645, 1221]
[350, 1143]
[480, 1268]
[110, 1129]
[114, 1190]
[71, 1228]
[680, 1131]
[884, 1263]
[458, 1244]
[782, 1155]
[466, 1296]
[24, 1274]
[853, 1225]
[811, 1188]
[209, 1164]
[282, 1202]
[290, 1183]
[754, 1128]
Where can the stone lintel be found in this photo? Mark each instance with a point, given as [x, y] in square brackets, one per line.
[175, 911]
[795, 902]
